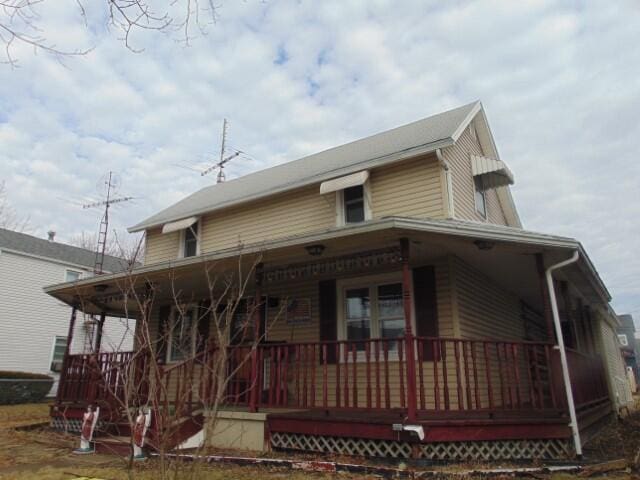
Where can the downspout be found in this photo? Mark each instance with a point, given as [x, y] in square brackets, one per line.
[563, 354]
[450, 212]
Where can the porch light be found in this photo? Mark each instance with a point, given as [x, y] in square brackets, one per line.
[484, 244]
[315, 250]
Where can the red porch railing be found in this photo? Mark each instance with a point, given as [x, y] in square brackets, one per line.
[450, 375]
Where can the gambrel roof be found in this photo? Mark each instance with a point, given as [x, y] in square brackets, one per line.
[420, 137]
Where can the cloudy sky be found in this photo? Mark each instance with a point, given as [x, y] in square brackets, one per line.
[559, 81]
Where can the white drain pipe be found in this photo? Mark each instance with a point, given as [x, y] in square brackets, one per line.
[563, 354]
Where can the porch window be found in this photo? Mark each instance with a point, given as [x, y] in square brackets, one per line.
[183, 333]
[480, 196]
[190, 245]
[374, 312]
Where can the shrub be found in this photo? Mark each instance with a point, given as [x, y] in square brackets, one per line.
[23, 387]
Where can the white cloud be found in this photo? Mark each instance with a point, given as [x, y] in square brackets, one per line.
[558, 82]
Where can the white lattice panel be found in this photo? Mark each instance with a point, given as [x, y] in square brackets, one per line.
[70, 424]
[454, 451]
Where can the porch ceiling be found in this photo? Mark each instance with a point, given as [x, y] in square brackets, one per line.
[509, 261]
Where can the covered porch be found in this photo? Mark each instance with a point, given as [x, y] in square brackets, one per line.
[400, 338]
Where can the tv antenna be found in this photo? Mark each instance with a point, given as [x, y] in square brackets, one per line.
[223, 160]
[112, 184]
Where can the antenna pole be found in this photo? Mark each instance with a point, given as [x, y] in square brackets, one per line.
[102, 232]
[221, 176]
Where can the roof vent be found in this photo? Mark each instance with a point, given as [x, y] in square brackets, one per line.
[51, 234]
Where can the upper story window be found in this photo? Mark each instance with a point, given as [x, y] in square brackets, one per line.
[623, 340]
[480, 196]
[190, 244]
[72, 275]
[354, 209]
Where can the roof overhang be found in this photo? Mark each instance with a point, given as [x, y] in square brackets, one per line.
[560, 246]
[347, 181]
[494, 173]
[179, 225]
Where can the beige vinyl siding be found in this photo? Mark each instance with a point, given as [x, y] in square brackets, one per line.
[412, 188]
[161, 247]
[459, 159]
[614, 365]
[485, 310]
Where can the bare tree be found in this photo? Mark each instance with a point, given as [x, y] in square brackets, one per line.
[119, 244]
[21, 22]
[211, 367]
[9, 218]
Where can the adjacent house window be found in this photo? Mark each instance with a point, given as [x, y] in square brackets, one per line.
[183, 334]
[57, 355]
[72, 275]
[623, 340]
[480, 196]
[354, 204]
[373, 311]
[190, 241]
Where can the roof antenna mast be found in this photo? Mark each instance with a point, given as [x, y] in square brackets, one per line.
[223, 160]
[111, 185]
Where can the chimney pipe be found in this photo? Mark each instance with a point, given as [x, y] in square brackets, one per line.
[51, 234]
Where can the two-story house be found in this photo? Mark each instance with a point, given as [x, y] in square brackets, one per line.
[33, 325]
[420, 319]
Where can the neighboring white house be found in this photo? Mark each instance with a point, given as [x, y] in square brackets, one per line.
[33, 325]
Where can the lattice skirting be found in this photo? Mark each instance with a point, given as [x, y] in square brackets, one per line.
[453, 451]
[70, 424]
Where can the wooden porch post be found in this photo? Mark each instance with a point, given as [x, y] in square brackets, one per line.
[255, 378]
[65, 359]
[544, 292]
[99, 332]
[408, 329]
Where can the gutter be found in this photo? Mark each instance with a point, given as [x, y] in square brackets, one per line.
[563, 354]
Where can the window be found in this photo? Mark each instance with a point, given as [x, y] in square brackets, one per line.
[375, 311]
[57, 355]
[72, 275]
[623, 340]
[190, 241]
[183, 334]
[481, 200]
[354, 208]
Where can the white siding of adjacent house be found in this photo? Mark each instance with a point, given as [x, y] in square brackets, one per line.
[30, 319]
[614, 364]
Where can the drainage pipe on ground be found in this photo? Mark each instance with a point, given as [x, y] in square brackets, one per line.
[563, 354]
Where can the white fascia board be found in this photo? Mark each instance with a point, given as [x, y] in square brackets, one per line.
[467, 120]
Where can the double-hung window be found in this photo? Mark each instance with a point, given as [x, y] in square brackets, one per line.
[57, 355]
[480, 196]
[190, 241]
[72, 275]
[373, 311]
[182, 334]
[354, 204]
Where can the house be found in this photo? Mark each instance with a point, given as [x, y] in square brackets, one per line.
[421, 319]
[33, 325]
[628, 343]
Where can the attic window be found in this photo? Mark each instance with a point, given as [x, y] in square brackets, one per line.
[190, 241]
[480, 196]
[354, 204]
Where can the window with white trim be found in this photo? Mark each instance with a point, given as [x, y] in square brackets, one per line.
[354, 204]
[57, 353]
[183, 333]
[72, 275]
[373, 311]
[191, 241]
[480, 195]
[623, 340]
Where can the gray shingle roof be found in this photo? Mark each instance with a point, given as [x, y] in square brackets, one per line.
[423, 135]
[61, 252]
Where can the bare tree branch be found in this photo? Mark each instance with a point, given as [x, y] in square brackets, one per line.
[9, 218]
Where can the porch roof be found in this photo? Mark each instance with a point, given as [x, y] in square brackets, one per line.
[387, 229]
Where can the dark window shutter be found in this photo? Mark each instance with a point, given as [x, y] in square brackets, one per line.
[328, 312]
[426, 306]
[163, 333]
[204, 319]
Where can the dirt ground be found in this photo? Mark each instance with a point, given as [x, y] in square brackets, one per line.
[39, 453]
